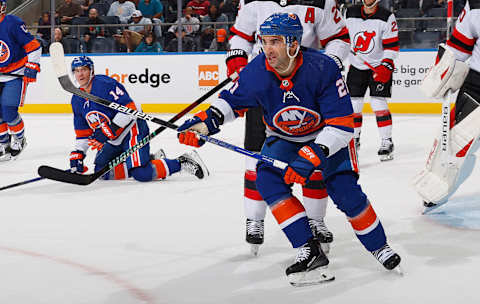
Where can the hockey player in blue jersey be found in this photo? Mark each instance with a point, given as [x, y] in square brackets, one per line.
[19, 54]
[111, 132]
[309, 118]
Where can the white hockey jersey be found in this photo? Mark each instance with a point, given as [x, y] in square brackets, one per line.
[373, 37]
[322, 24]
[464, 41]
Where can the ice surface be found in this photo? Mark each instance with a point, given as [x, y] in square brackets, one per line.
[182, 240]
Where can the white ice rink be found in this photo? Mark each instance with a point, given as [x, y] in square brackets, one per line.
[182, 240]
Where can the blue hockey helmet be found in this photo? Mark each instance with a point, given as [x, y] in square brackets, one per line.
[3, 6]
[283, 24]
[82, 61]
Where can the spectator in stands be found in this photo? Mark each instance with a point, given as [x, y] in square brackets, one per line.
[188, 44]
[140, 24]
[190, 24]
[151, 9]
[208, 30]
[200, 7]
[149, 45]
[221, 41]
[102, 7]
[58, 35]
[94, 30]
[68, 10]
[122, 9]
[229, 8]
[44, 33]
[132, 36]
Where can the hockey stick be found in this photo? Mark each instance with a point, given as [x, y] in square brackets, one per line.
[57, 55]
[28, 181]
[364, 62]
[10, 74]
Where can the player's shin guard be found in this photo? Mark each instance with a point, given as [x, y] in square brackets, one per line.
[16, 127]
[383, 116]
[357, 103]
[368, 228]
[291, 217]
[4, 137]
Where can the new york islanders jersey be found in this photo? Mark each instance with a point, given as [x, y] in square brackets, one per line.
[464, 41]
[89, 115]
[299, 108]
[322, 23]
[16, 46]
[374, 37]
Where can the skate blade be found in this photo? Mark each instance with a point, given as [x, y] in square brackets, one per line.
[313, 277]
[398, 270]
[386, 157]
[254, 249]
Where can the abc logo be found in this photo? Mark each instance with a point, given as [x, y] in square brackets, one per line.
[208, 75]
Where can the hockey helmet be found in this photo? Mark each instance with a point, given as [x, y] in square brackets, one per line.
[82, 61]
[283, 24]
[3, 6]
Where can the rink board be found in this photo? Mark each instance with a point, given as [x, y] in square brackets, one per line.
[166, 83]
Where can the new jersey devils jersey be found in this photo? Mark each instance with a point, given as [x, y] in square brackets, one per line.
[373, 37]
[299, 108]
[464, 41]
[321, 21]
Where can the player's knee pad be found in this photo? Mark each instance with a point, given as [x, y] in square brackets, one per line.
[378, 103]
[346, 193]
[143, 174]
[270, 184]
[10, 115]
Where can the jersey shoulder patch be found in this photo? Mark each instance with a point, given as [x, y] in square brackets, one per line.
[315, 3]
[474, 4]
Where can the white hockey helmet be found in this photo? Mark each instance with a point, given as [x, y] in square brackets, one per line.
[371, 5]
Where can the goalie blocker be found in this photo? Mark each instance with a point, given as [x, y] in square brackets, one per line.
[442, 175]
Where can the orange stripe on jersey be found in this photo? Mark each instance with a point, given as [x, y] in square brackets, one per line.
[16, 128]
[341, 35]
[31, 46]
[345, 121]
[119, 171]
[83, 133]
[14, 66]
[160, 168]
[249, 38]
[24, 92]
[364, 220]
[131, 105]
[286, 209]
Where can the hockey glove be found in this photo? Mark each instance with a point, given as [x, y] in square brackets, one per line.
[236, 60]
[384, 71]
[30, 72]
[310, 157]
[205, 122]
[111, 131]
[95, 144]
[76, 162]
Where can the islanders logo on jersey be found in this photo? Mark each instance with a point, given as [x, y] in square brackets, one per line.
[363, 42]
[95, 119]
[4, 52]
[296, 120]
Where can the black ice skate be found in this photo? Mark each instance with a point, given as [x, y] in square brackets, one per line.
[321, 234]
[386, 149]
[17, 145]
[388, 258]
[254, 234]
[310, 266]
[192, 163]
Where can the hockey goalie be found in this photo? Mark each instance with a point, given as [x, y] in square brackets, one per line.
[451, 159]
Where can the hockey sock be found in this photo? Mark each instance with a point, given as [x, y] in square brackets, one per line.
[357, 103]
[292, 219]
[255, 206]
[384, 118]
[172, 165]
[315, 197]
[4, 138]
[368, 228]
[16, 127]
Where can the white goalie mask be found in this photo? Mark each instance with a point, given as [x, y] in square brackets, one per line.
[371, 5]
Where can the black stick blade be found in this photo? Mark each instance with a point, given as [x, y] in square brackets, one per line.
[64, 176]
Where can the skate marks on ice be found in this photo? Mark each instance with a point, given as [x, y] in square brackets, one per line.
[461, 211]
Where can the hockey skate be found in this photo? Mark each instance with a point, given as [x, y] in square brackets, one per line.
[17, 146]
[310, 267]
[254, 235]
[5, 152]
[160, 154]
[192, 163]
[321, 234]
[386, 150]
[388, 258]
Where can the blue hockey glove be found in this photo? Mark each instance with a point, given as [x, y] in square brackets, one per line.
[76, 162]
[310, 157]
[30, 72]
[206, 122]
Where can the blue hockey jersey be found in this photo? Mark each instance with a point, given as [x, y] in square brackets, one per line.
[311, 104]
[15, 44]
[89, 115]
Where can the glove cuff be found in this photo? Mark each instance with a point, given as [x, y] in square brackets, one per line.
[33, 65]
[314, 153]
[235, 53]
[388, 63]
[78, 154]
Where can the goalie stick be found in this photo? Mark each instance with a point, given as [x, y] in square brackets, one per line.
[58, 60]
